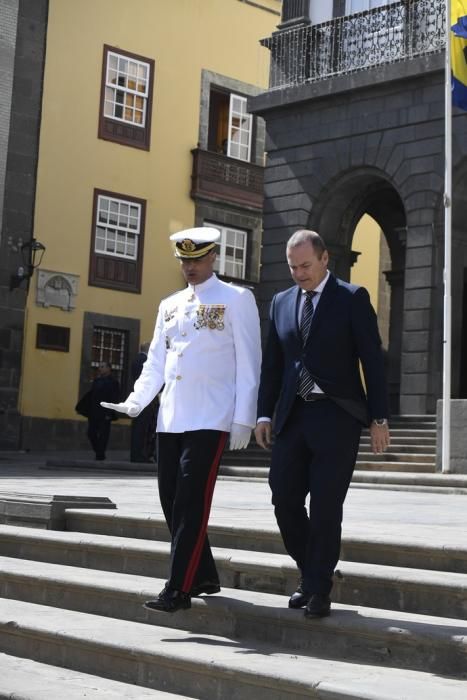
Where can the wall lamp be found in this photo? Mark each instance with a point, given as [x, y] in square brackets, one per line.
[32, 253]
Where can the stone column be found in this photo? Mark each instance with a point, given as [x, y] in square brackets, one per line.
[458, 456]
[418, 323]
[395, 279]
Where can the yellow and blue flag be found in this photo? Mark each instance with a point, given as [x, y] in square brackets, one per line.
[459, 52]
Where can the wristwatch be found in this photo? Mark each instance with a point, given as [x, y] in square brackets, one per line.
[380, 422]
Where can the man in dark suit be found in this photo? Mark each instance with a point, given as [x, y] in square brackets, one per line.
[105, 387]
[321, 329]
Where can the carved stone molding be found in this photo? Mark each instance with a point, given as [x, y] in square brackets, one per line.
[57, 289]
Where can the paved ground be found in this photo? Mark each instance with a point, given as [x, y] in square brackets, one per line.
[415, 517]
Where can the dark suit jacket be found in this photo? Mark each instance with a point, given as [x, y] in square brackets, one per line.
[344, 330]
[137, 365]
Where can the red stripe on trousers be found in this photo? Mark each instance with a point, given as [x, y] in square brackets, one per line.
[196, 555]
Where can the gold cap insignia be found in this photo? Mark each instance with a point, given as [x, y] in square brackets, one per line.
[187, 245]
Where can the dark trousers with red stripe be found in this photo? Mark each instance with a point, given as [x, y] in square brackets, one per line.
[187, 470]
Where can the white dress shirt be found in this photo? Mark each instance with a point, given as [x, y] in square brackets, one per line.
[315, 301]
[206, 352]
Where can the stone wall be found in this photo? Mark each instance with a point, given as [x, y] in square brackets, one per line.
[22, 49]
[369, 142]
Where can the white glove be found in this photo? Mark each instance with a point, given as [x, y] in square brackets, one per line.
[131, 408]
[239, 436]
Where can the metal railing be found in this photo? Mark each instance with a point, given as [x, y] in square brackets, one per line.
[387, 34]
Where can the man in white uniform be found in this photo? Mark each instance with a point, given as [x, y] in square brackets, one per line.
[206, 353]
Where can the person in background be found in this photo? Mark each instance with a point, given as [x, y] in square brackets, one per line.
[104, 388]
[143, 427]
[206, 352]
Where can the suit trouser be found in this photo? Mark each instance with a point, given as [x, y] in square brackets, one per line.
[187, 470]
[315, 455]
[99, 433]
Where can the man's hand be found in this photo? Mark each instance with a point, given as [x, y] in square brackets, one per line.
[239, 436]
[380, 438]
[263, 433]
[130, 408]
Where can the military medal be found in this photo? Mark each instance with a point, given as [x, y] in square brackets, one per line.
[169, 315]
[210, 316]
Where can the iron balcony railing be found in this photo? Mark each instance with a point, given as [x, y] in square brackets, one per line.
[387, 34]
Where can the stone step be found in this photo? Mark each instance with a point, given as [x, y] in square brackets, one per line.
[407, 440]
[394, 466]
[395, 480]
[416, 424]
[443, 483]
[416, 438]
[107, 465]
[401, 447]
[228, 467]
[361, 464]
[397, 454]
[408, 417]
[355, 633]
[408, 432]
[388, 587]
[386, 551]
[213, 667]
[23, 679]
[393, 456]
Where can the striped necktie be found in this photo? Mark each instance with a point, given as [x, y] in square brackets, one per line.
[305, 382]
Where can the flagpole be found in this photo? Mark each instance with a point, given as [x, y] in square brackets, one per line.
[446, 429]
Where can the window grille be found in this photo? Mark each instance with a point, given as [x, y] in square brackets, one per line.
[109, 345]
[231, 257]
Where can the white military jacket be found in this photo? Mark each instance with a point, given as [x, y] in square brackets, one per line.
[206, 353]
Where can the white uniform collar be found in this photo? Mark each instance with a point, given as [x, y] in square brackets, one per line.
[204, 285]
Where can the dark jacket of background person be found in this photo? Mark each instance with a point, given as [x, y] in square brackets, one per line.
[143, 427]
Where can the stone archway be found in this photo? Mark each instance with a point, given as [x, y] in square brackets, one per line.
[336, 214]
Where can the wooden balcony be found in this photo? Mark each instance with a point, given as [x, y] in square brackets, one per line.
[221, 179]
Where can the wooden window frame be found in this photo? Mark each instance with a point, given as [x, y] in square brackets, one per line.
[223, 229]
[229, 96]
[42, 344]
[113, 271]
[119, 130]
[118, 227]
[231, 144]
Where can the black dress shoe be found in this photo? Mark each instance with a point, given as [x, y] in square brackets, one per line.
[169, 600]
[299, 599]
[208, 587]
[319, 605]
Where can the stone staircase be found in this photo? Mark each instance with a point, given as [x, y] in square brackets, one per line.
[71, 608]
[409, 463]
[413, 449]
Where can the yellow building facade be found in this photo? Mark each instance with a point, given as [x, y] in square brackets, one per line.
[368, 270]
[144, 132]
